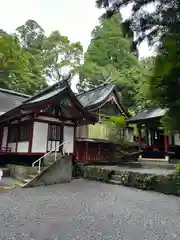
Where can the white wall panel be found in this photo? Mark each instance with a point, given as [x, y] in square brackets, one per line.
[176, 139]
[12, 146]
[23, 147]
[5, 135]
[49, 146]
[68, 135]
[40, 133]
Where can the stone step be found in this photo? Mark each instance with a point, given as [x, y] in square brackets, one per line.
[6, 172]
[25, 180]
[20, 184]
[114, 182]
[32, 176]
[149, 165]
[116, 177]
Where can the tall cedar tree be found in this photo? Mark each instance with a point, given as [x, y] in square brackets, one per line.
[160, 28]
[109, 56]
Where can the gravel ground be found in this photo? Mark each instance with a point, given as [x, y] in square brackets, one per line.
[88, 210]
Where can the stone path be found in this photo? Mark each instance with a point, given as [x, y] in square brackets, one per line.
[88, 210]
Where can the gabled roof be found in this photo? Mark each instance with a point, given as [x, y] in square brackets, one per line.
[97, 97]
[10, 99]
[54, 94]
[146, 114]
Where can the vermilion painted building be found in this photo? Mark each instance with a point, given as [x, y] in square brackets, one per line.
[32, 126]
[152, 138]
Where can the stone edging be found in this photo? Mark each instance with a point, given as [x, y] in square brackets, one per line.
[164, 184]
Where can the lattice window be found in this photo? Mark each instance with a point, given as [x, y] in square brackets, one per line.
[24, 132]
[13, 133]
[54, 132]
[19, 132]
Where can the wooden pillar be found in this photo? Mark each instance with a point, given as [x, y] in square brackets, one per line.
[139, 138]
[74, 143]
[165, 143]
[86, 149]
[31, 136]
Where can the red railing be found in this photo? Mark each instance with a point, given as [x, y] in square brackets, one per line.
[94, 150]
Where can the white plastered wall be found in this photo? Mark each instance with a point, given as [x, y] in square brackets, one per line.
[39, 141]
[23, 147]
[177, 139]
[5, 136]
[12, 146]
[68, 135]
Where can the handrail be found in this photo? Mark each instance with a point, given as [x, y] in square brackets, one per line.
[52, 150]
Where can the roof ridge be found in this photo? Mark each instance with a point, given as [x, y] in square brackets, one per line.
[49, 88]
[14, 92]
[92, 89]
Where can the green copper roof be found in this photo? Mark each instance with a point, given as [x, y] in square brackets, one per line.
[146, 114]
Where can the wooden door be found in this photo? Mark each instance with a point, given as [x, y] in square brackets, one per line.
[55, 137]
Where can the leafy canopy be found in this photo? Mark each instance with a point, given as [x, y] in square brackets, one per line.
[110, 56]
[29, 59]
[161, 28]
[20, 70]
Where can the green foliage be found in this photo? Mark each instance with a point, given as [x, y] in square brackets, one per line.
[165, 85]
[20, 70]
[115, 126]
[61, 55]
[110, 56]
[31, 36]
[178, 178]
[143, 95]
[28, 59]
[161, 28]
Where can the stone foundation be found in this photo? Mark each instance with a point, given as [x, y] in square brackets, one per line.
[58, 172]
[20, 171]
[168, 184]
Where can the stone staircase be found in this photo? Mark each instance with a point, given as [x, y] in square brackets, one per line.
[21, 180]
[47, 162]
[115, 179]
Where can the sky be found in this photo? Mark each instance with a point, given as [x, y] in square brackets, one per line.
[73, 18]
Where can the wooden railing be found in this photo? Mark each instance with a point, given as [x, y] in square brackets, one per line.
[88, 150]
[5, 149]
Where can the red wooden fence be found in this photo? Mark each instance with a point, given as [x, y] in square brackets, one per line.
[94, 150]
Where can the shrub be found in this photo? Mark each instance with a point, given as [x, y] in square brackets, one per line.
[178, 179]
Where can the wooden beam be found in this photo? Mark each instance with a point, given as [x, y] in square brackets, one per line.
[31, 137]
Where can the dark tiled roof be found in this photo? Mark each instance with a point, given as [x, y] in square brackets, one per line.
[56, 93]
[146, 114]
[47, 93]
[10, 99]
[97, 97]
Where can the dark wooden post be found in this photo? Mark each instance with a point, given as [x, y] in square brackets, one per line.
[165, 143]
[166, 148]
[139, 137]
